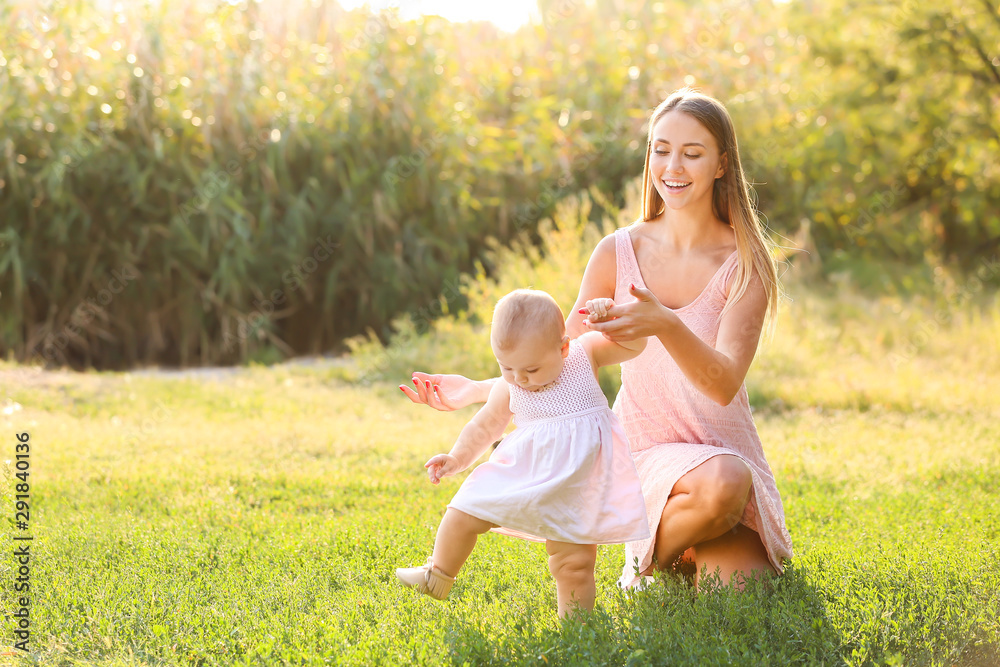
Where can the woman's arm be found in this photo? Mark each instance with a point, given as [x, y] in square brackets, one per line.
[447, 392]
[598, 282]
[718, 372]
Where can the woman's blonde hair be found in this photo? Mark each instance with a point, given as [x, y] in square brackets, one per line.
[732, 198]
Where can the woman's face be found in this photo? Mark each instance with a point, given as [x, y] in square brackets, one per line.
[684, 161]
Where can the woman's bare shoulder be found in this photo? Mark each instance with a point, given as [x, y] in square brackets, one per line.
[605, 246]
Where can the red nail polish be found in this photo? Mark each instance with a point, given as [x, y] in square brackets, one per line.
[582, 311]
[632, 286]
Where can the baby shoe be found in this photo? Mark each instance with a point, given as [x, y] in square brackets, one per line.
[426, 579]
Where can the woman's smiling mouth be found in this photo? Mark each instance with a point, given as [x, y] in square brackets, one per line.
[676, 186]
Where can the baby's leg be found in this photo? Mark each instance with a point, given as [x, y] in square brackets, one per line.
[455, 539]
[572, 566]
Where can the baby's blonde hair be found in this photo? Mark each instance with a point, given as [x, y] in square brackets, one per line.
[526, 311]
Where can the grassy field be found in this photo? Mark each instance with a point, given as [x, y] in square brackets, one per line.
[255, 516]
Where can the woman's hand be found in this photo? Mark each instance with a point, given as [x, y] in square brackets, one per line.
[442, 465]
[443, 392]
[643, 317]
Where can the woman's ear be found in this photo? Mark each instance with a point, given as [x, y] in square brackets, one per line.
[565, 346]
[723, 163]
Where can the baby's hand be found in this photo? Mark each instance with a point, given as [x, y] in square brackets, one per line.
[442, 465]
[597, 309]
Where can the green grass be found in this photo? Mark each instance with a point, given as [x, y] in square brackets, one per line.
[256, 518]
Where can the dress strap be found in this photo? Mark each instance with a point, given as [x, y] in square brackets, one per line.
[724, 276]
[627, 270]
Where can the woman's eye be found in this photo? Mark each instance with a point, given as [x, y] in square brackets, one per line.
[687, 155]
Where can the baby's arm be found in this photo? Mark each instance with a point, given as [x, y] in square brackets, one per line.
[476, 437]
[604, 352]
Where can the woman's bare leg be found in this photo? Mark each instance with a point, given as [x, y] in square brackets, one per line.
[706, 503]
[739, 551]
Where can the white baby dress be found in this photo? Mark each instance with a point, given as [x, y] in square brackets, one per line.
[565, 473]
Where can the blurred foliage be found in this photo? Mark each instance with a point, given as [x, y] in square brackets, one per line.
[445, 341]
[212, 182]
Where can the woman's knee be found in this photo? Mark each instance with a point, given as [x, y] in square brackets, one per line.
[725, 488]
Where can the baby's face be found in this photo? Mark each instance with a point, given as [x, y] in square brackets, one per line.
[532, 364]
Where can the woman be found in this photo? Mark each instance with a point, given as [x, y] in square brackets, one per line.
[695, 274]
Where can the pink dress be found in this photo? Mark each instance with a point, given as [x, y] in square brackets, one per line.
[565, 473]
[672, 427]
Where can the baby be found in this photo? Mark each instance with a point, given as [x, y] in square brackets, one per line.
[563, 477]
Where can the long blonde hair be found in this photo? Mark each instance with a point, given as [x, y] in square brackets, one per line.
[732, 199]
